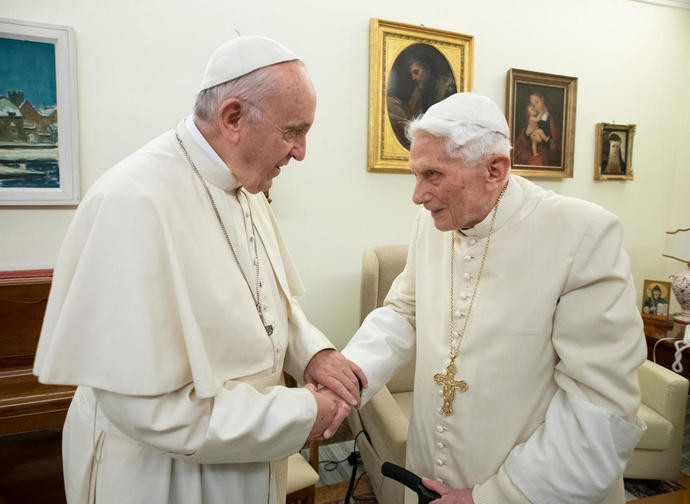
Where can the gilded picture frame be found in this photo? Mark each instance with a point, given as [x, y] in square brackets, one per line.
[656, 297]
[541, 116]
[39, 151]
[410, 69]
[616, 138]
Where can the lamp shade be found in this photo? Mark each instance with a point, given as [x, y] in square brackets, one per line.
[677, 245]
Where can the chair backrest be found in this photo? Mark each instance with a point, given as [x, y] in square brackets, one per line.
[380, 266]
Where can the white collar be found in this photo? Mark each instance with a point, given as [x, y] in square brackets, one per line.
[203, 143]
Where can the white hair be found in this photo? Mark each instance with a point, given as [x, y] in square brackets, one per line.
[252, 88]
[472, 152]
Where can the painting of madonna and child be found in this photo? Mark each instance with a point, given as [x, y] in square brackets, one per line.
[538, 135]
[28, 115]
[541, 116]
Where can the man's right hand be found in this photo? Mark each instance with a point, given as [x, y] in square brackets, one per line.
[331, 411]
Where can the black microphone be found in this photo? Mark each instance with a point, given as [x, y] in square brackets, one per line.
[410, 480]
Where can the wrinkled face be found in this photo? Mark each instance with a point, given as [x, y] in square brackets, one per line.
[457, 195]
[267, 145]
[538, 104]
[420, 75]
[614, 148]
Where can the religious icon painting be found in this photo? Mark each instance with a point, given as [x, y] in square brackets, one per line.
[38, 115]
[541, 117]
[410, 69]
[613, 152]
[655, 299]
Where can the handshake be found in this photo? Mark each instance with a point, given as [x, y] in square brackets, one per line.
[341, 379]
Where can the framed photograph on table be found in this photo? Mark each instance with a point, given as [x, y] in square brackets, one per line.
[655, 299]
[541, 117]
[613, 152]
[410, 69]
[39, 158]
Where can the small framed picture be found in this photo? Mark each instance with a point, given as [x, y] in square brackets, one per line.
[541, 116]
[410, 69]
[39, 154]
[613, 153]
[655, 299]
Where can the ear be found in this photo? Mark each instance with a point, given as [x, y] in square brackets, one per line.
[229, 115]
[499, 166]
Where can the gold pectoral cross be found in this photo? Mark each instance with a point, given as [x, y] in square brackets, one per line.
[450, 385]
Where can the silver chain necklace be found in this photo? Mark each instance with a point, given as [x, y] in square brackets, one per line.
[257, 297]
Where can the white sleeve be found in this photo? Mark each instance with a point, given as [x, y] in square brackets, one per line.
[590, 428]
[238, 425]
[304, 341]
[384, 342]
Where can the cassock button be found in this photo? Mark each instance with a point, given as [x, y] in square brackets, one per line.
[440, 480]
[246, 214]
[251, 239]
[439, 462]
[457, 314]
[441, 445]
[473, 241]
[466, 276]
[440, 429]
[440, 392]
[468, 258]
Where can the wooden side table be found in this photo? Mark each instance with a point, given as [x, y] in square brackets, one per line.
[656, 330]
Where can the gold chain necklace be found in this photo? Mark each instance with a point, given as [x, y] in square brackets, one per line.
[447, 378]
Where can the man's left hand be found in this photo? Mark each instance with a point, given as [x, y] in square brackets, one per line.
[448, 495]
[334, 371]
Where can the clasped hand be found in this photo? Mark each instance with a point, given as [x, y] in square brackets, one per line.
[339, 377]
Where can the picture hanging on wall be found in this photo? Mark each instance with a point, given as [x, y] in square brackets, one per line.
[613, 153]
[655, 298]
[39, 162]
[410, 69]
[541, 116]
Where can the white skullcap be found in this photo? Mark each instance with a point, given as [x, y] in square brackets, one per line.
[472, 114]
[242, 55]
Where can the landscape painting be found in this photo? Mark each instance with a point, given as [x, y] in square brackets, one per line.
[28, 115]
[39, 154]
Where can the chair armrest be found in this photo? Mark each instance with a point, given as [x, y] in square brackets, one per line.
[663, 390]
[387, 426]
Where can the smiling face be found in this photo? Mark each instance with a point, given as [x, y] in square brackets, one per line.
[458, 196]
[266, 145]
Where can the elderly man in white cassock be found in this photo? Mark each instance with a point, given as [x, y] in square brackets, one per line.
[521, 308]
[173, 305]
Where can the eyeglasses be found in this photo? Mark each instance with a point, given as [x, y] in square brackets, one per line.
[290, 134]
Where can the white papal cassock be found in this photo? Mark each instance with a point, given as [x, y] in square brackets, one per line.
[550, 353]
[180, 397]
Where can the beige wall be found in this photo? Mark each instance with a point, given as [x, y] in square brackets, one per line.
[139, 63]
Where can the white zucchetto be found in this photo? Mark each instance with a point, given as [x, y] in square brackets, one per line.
[472, 113]
[242, 55]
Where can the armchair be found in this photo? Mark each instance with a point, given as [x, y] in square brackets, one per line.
[386, 416]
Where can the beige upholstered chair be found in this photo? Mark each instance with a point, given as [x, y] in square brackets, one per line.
[664, 397]
[302, 476]
[386, 416]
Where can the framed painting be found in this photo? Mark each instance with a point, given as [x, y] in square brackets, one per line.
[410, 69]
[541, 117]
[655, 299]
[613, 152]
[39, 159]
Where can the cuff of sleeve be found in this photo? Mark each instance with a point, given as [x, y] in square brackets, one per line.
[498, 489]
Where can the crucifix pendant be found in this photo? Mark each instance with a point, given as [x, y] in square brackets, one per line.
[450, 385]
